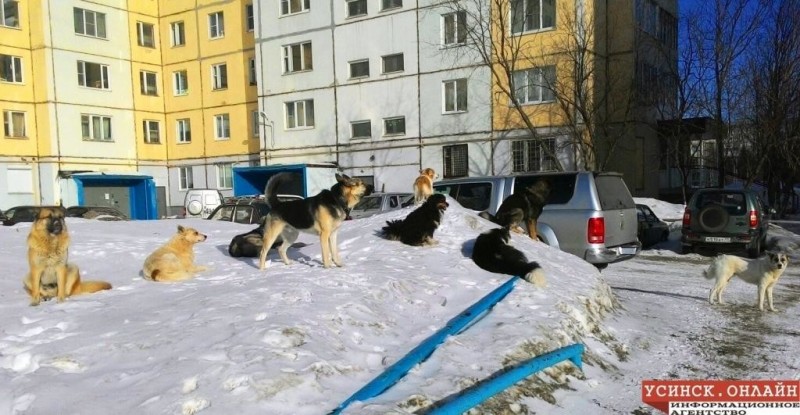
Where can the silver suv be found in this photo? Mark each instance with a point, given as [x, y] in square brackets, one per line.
[588, 214]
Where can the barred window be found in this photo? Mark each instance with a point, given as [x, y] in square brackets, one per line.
[533, 155]
[455, 160]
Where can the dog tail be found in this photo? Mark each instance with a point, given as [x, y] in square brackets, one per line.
[535, 275]
[488, 216]
[393, 229]
[87, 287]
[271, 189]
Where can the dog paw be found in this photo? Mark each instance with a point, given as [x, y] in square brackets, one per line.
[34, 303]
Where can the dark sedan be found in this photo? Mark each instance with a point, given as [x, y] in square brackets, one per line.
[652, 230]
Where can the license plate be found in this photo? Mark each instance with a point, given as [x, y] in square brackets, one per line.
[627, 251]
[716, 239]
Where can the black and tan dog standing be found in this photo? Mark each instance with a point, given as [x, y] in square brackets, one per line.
[524, 206]
[321, 215]
[51, 275]
[418, 227]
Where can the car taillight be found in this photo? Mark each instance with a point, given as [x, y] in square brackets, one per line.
[597, 231]
[687, 218]
[753, 219]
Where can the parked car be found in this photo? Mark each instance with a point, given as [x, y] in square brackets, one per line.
[378, 203]
[19, 214]
[106, 213]
[588, 214]
[199, 203]
[246, 210]
[725, 219]
[651, 229]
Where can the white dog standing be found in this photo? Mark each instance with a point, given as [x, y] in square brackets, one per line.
[763, 272]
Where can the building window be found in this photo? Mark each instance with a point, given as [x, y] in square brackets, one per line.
[219, 76]
[216, 25]
[455, 95]
[530, 15]
[222, 127]
[184, 127]
[455, 160]
[391, 4]
[297, 57]
[225, 176]
[96, 128]
[92, 75]
[14, 124]
[9, 13]
[250, 19]
[359, 69]
[152, 133]
[252, 73]
[148, 81]
[393, 63]
[300, 114]
[361, 129]
[454, 28]
[356, 8]
[256, 124]
[10, 68]
[533, 155]
[89, 23]
[180, 83]
[394, 126]
[534, 85]
[177, 33]
[185, 178]
[146, 35]
[294, 6]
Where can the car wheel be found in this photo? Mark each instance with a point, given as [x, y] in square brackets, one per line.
[755, 250]
[713, 218]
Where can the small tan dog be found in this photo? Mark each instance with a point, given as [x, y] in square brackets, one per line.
[174, 261]
[423, 185]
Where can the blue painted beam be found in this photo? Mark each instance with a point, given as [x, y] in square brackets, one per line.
[419, 354]
[482, 391]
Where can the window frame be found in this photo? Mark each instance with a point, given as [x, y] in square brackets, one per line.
[249, 17]
[94, 14]
[104, 78]
[216, 25]
[219, 76]
[183, 131]
[177, 37]
[252, 74]
[541, 85]
[384, 7]
[541, 27]
[386, 124]
[459, 22]
[4, 17]
[353, 129]
[148, 131]
[288, 58]
[393, 55]
[140, 35]
[449, 170]
[351, 65]
[9, 125]
[305, 5]
[224, 181]
[177, 77]
[185, 178]
[295, 106]
[256, 124]
[91, 118]
[15, 65]
[222, 127]
[363, 13]
[528, 155]
[145, 83]
[456, 96]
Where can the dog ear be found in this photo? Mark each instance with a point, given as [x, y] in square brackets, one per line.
[181, 229]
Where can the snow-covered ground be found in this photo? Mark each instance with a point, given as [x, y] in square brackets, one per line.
[300, 339]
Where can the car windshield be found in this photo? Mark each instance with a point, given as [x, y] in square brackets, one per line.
[733, 203]
[368, 203]
[223, 213]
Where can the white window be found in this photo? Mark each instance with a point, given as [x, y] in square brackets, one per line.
[531, 15]
[146, 34]
[180, 83]
[219, 76]
[19, 179]
[252, 72]
[177, 33]
[297, 57]
[361, 129]
[222, 127]
[10, 68]
[250, 19]
[454, 28]
[14, 124]
[456, 160]
[185, 178]
[256, 124]
[184, 127]
[9, 13]
[533, 155]
[152, 132]
[391, 4]
[534, 85]
[216, 25]
[89, 23]
[148, 81]
[359, 69]
[92, 75]
[294, 6]
[300, 114]
[356, 8]
[225, 175]
[455, 95]
[393, 63]
[96, 127]
[394, 126]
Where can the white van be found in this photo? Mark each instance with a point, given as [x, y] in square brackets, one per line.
[199, 203]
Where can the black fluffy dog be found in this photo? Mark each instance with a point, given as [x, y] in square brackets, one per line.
[523, 207]
[493, 253]
[418, 227]
[249, 244]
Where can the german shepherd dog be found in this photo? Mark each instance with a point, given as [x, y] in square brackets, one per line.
[493, 252]
[50, 274]
[321, 215]
[249, 244]
[763, 272]
[423, 185]
[523, 206]
[418, 227]
[174, 261]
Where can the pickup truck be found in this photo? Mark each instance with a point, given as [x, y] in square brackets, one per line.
[588, 214]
